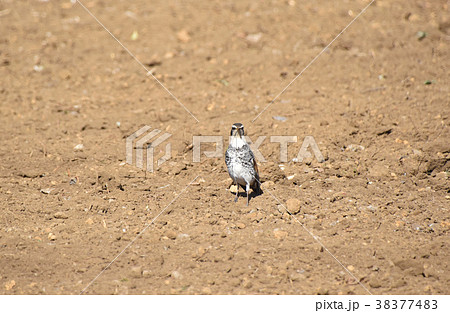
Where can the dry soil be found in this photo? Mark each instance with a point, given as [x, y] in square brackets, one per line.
[376, 102]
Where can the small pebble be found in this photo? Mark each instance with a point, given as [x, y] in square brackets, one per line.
[46, 190]
[60, 215]
[267, 184]
[183, 236]
[254, 38]
[399, 223]
[206, 290]
[355, 148]
[78, 147]
[421, 35]
[175, 274]
[136, 271]
[289, 263]
[397, 283]
[134, 35]
[183, 36]
[171, 234]
[38, 68]
[296, 276]
[322, 291]
[428, 288]
[375, 283]
[280, 234]
[246, 283]
[293, 206]
[10, 285]
[169, 55]
[279, 118]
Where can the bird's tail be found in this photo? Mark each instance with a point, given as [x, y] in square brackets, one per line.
[257, 184]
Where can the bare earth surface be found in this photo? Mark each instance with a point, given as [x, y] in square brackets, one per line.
[376, 102]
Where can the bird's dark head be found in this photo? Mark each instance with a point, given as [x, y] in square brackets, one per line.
[237, 130]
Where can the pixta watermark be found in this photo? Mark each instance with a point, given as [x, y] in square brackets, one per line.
[144, 143]
[145, 140]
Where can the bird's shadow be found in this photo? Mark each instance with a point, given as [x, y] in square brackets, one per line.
[243, 194]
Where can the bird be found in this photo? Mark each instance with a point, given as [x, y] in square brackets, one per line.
[241, 162]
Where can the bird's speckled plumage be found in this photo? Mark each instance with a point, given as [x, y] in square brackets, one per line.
[241, 163]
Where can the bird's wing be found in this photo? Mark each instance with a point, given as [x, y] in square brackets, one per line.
[228, 159]
[255, 167]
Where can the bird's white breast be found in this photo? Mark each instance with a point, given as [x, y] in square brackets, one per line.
[237, 142]
[239, 173]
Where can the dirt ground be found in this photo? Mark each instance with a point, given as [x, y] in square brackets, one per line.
[376, 102]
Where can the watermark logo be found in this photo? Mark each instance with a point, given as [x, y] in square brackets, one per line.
[309, 143]
[141, 142]
[144, 143]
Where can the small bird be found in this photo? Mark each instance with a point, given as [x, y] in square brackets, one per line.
[241, 163]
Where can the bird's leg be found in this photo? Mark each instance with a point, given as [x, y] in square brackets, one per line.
[247, 188]
[237, 192]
